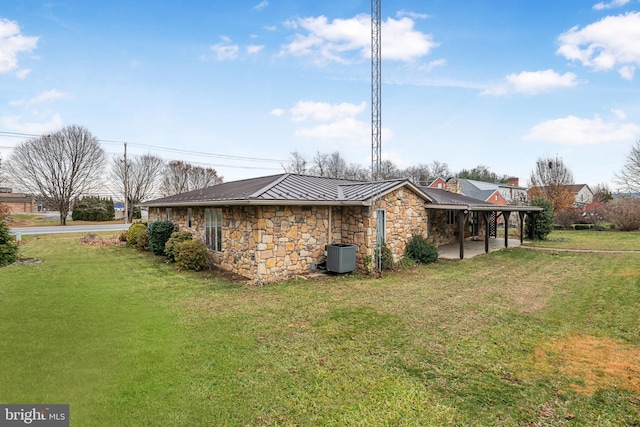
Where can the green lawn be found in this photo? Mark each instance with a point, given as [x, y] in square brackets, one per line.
[514, 338]
[591, 239]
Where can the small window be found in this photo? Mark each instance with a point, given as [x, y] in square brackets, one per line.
[213, 229]
[451, 217]
[439, 185]
[496, 197]
[169, 214]
[189, 211]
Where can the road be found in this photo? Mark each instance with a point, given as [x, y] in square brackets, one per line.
[57, 229]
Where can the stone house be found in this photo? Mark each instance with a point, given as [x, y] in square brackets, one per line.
[273, 227]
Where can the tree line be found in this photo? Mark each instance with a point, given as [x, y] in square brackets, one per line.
[67, 164]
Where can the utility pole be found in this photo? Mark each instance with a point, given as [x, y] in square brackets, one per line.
[376, 125]
[126, 188]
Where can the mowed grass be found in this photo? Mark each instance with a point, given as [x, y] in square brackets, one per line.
[591, 240]
[518, 337]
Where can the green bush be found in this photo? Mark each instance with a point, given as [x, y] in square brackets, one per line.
[421, 251]
[133, 236]
[93, 209]
[544, 219]
[386, 258]
[190, 255]
[8, 250]
[176, 237]
[159, 232]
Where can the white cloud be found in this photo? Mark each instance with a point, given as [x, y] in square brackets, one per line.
[619, 113]
[261, 5]
[612, 42]
[278, 112]
[49, 95]
[12, 43]
[340, 39]
[22, 74]
[323, 111]
[412, 15]
[347, 128]
[433, 64]
[16, 124]
[574, 130]
[610, 5]
[270, 27]
[225, 49]
[253, 49]
[532, 83]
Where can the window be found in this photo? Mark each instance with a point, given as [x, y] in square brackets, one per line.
[451, 217]
[168, 214]
[381, 225]
[213, 228]
[189, 211]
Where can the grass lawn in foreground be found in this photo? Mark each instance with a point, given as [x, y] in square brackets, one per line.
[517, 337]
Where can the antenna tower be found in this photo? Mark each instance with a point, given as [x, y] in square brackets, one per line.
[376, 125]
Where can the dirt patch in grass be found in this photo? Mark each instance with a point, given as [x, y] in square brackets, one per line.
[592, 363]
[95, 240]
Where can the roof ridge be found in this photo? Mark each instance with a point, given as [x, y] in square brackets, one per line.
[269, 186]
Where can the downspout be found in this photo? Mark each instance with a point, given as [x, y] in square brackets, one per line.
[329, 237]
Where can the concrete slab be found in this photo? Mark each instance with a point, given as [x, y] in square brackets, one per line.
[474, 248]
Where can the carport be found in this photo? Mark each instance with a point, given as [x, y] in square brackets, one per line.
[467, 207]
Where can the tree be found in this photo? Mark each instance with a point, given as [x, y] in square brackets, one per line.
[320, 161]
[60, 167]
[336, 165]
[544, 219]
[389, 170]
[629, 177]
[180, 177]
[357, 171]
[143, 176]
[481, 173]
[297, 164]
[624, 213]
[552, 179]
[602, 193]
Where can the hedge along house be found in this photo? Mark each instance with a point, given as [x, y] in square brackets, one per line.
[272, 227]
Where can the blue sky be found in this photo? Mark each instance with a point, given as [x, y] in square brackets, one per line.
[239, 85]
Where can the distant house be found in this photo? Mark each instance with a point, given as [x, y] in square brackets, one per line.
[278, 226]
[17, 202]
[582, 194]
[496, 193]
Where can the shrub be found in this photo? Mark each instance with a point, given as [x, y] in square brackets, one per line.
[142, 241]
[158, 233]
[567, 217]
[386, 258]
[190, 255]
[133, 236]
[421, 251]
[544, 219]
[176, 237]
[624, 213]
[93, 209]
[8, 250]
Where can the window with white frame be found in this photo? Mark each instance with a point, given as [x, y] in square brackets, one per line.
[213, 229]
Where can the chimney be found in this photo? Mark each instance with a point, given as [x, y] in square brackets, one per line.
[514, 181]
[452, 186]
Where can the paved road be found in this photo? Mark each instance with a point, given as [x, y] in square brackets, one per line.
[56, 229]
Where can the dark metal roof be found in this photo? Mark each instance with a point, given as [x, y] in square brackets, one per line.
[284, 188]
[443, 197]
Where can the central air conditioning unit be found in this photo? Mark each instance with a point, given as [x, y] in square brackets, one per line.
[341, 258]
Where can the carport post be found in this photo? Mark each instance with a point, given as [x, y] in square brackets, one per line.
[522, 214]
[486, 215]
[462, 218]
[506, 215]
